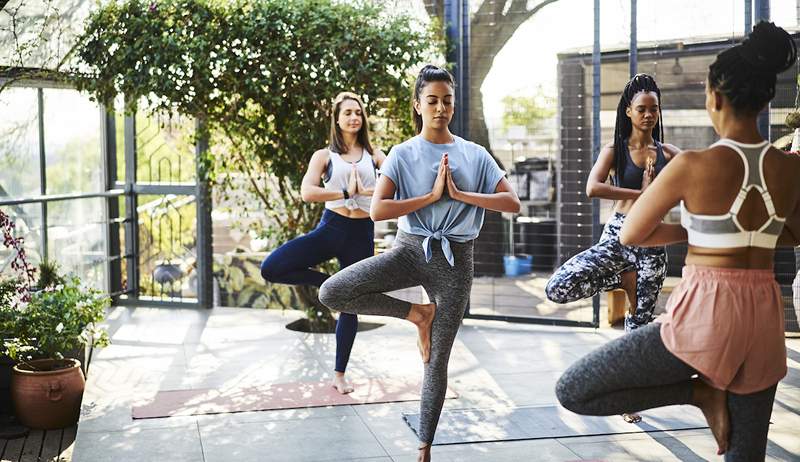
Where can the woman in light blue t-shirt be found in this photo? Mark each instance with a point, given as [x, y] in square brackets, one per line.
[438, 185]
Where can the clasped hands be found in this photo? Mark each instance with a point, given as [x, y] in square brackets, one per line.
[444, 179]
[354, 184]
[649, 173]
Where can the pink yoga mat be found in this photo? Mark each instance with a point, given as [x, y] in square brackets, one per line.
[291, 395]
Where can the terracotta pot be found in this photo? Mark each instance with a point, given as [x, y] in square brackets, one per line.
[47, 393]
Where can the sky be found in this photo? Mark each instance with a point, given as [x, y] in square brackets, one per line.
[529, 59]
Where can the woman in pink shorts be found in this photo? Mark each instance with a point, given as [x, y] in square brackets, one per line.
[720, 346]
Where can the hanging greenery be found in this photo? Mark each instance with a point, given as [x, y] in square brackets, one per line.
[260, 75]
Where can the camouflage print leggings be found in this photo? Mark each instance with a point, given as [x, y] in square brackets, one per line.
[600, 267]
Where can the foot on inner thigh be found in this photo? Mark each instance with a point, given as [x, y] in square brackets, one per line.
[422, 316]
[341, 384]
[714, 404]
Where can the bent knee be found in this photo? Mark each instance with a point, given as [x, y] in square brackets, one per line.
[568, 394]
[554, 290]
[332, 293]
[269, 271]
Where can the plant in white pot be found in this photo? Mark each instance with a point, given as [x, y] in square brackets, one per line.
[56, 321]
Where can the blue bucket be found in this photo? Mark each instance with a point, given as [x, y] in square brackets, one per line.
[517, 265]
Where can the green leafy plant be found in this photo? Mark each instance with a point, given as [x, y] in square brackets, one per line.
[49, 275]
[56, 321]
[258, 76]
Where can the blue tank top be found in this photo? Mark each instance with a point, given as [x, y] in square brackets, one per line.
[632, 178]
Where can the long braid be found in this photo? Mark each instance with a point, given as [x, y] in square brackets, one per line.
[623, 126]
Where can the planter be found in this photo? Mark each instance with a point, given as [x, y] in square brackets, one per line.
[47, 393]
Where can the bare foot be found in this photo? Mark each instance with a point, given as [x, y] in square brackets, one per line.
[422, 317]
[341, 384]
[714, 404]
[424, 454]
[632, 418]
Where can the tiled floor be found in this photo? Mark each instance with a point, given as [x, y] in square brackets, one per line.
[493, 364]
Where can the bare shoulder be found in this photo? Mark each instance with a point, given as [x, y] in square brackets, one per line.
[788, 163]
[607, 150]
[671, 150]
[320, 155]
[687, 160]
[378, 157]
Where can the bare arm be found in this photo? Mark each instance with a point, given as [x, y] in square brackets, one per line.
[503, 199]
[790, 236]
[384, 206]
[310, 190]
[596, 185]
[643, 225]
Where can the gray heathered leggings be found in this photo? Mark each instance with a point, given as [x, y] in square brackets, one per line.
[359, 288]
[636, 372]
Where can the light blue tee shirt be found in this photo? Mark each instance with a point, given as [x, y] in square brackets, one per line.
[413, 166]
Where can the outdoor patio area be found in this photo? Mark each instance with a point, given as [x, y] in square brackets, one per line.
[495, 367]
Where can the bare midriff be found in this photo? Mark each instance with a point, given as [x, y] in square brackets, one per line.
[354, 214]
[624, 206]
[740, 257]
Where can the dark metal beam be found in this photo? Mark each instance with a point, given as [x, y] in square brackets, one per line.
[634, 45]
[108, 135]
[596, 142]
[131, 204]
[205, 246]
[762, 13]
[42, 172]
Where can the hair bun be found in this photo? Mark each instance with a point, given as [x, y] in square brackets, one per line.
[769, 49]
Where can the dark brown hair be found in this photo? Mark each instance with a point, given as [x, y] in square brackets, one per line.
[428, 74]
[337, 143]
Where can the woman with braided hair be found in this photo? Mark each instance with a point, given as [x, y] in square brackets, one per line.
[632, 160]
[720, 345]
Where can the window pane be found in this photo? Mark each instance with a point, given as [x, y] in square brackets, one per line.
[19, 143]
[72, 143]
[167, 246]
[76, 237]
[164, 147]
[28, 221]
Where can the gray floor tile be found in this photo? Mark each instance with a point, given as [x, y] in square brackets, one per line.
[291, 440]
[180, 444]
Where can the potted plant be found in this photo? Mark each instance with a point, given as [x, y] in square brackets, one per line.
[42, 322]
[58, 320]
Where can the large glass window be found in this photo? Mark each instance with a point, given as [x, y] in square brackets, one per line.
[19, 143]
[72, 142]
[76, 238]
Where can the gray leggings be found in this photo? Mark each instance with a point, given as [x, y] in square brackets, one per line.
[359, 288]
[636, 372]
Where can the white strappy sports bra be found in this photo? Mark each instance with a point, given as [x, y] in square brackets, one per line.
[725, 231]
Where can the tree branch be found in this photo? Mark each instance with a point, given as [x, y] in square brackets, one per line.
[435, 8]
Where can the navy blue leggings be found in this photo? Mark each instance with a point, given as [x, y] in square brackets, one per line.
[347, 239]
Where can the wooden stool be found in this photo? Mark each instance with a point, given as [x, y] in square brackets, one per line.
[617, 301]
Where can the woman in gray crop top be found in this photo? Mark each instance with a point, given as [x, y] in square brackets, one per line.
[438, 185]
[347, 168]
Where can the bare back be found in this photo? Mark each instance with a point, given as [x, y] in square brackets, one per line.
[717, 175]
